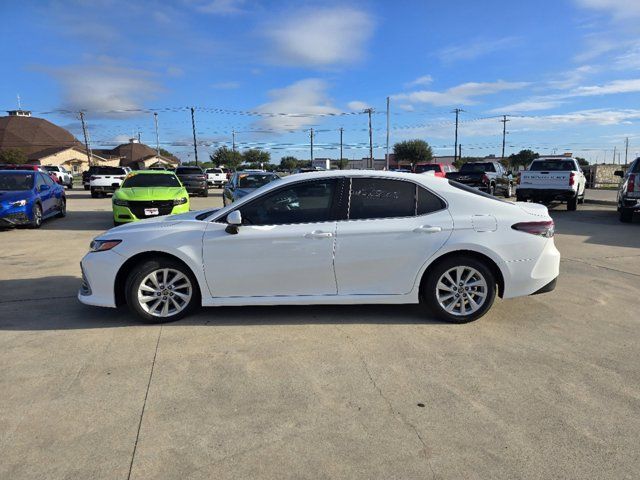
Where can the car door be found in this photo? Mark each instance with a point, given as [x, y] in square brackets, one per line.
[46, 194]
[393, 228]
[283, 248]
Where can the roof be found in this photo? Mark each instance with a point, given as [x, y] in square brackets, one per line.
[32, 134]
[155, 172]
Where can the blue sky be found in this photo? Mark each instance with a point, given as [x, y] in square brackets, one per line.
[568, 72]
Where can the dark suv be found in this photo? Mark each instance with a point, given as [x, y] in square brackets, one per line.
[629, 191]
[194, 180]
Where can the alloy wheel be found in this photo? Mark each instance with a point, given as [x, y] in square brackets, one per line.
[461, 291]
[165, 292]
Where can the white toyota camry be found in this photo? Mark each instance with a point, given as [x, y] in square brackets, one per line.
[340, 237]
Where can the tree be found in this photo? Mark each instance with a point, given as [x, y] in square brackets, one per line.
[13, 155]
[522, 158]
[288, 163]
[582, 162]
[342, 163]
[256, 156]
[225, 156]
[413, 151]
[461, 161]
[167, 154]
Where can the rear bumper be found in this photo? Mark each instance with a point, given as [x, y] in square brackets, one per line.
[630, 204]
[528, 277]
[104, 188]
[549, 287]
[547, 194]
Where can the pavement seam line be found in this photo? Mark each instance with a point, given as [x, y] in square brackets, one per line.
[600, 266]
[36, 299]
[144, 404]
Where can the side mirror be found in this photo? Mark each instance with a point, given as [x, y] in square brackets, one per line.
[44, 188]
[234, 220]
[619, 173]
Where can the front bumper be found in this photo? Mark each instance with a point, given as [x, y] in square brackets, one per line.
[547, 194]
[99, 270]
[122, 214]
[14, 216]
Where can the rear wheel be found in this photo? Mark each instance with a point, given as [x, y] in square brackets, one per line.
[459, 289]
[626, 215]
[62, 208]
[37, 216]
[492, 189]
[87, 187]
[94, 194]
[161, 291]
[572, 203]
[205, 193]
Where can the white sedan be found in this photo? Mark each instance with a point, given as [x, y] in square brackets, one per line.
[339, 237]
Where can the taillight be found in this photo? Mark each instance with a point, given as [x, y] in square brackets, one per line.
[571, 178]
[631, 184]
[485, 179]
[542, 229]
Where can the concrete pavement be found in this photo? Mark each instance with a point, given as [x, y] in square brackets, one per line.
[541, 387]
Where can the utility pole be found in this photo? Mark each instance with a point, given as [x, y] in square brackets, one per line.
[86, 140]
[233, 140]
[626, 151]
[504, 133]
[459, 151]
[341, 130]
[139, 136]
[614, 155]
[311, 138]
[455, 148]
[155, 121]
[388, 110]
[193, 127]
[370, 111]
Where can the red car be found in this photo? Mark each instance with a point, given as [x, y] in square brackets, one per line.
[27, 166]
[439, 169]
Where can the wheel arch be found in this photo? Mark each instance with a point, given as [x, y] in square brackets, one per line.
[493, 266]
[127, 267]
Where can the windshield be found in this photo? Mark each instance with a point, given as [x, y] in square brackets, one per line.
[10, 181]
[108, 171]
[254, 180]
[552, 165]
[151, 180]
[476, 168]
[427, 168]
[189, 171]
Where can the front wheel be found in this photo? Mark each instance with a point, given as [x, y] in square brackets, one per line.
[161, 291]
[205, 193]
[508, 193]
[36, 213]
[459, 289]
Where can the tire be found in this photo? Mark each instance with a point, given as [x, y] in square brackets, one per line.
[70, 186]
[62, 209]
[87, 187]
[37, 216]
[492, 189]
[205, 193]
[626, 215]
[520, 198]
[153, 311]
[458, 309]
[94, 194]
[508, 193]
[572, 203]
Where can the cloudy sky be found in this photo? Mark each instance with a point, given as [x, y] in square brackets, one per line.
[566, 71]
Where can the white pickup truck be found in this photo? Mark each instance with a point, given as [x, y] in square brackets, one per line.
[552, 179]
[62, 174]
[105, 180]
[216, 177]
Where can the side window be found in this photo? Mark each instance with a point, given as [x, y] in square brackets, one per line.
[48, 180]
[491, 168]
[307, 202]
[381, 198]
[428, 202]
[39, 180]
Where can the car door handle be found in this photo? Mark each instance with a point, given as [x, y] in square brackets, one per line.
[427, 229]
[318, 234]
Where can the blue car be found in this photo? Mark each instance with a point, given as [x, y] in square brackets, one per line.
[27, 197]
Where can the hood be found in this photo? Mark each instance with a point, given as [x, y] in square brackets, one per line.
[150, 193]
[15, 195]
[162, 221]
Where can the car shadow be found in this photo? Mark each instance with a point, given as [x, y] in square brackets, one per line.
[50, 303]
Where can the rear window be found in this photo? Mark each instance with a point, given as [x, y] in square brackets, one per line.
[151, 180]
[427, 168]
[189, 171]
[552, 166]
[51, 169]
[469, 189]
[255, 180]
[635, 167]
[215, 170]
[477, 168]
[109, 171]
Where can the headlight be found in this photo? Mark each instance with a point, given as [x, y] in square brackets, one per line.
[103, 245]
[180, 201]
[19, 203]
[120, 203]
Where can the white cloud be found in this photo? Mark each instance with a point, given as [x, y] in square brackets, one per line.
[420, 81]
[303, 97]
[321, 37]
[476, 48]
[463, 94]
[218, 7]
[105, 88]
[357, 105]
[226, 85]
[528, 106]
[614, 87]
[619, 9]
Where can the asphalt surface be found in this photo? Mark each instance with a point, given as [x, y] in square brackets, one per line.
[541, 387]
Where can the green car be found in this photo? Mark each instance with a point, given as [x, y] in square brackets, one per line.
[148, 194]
